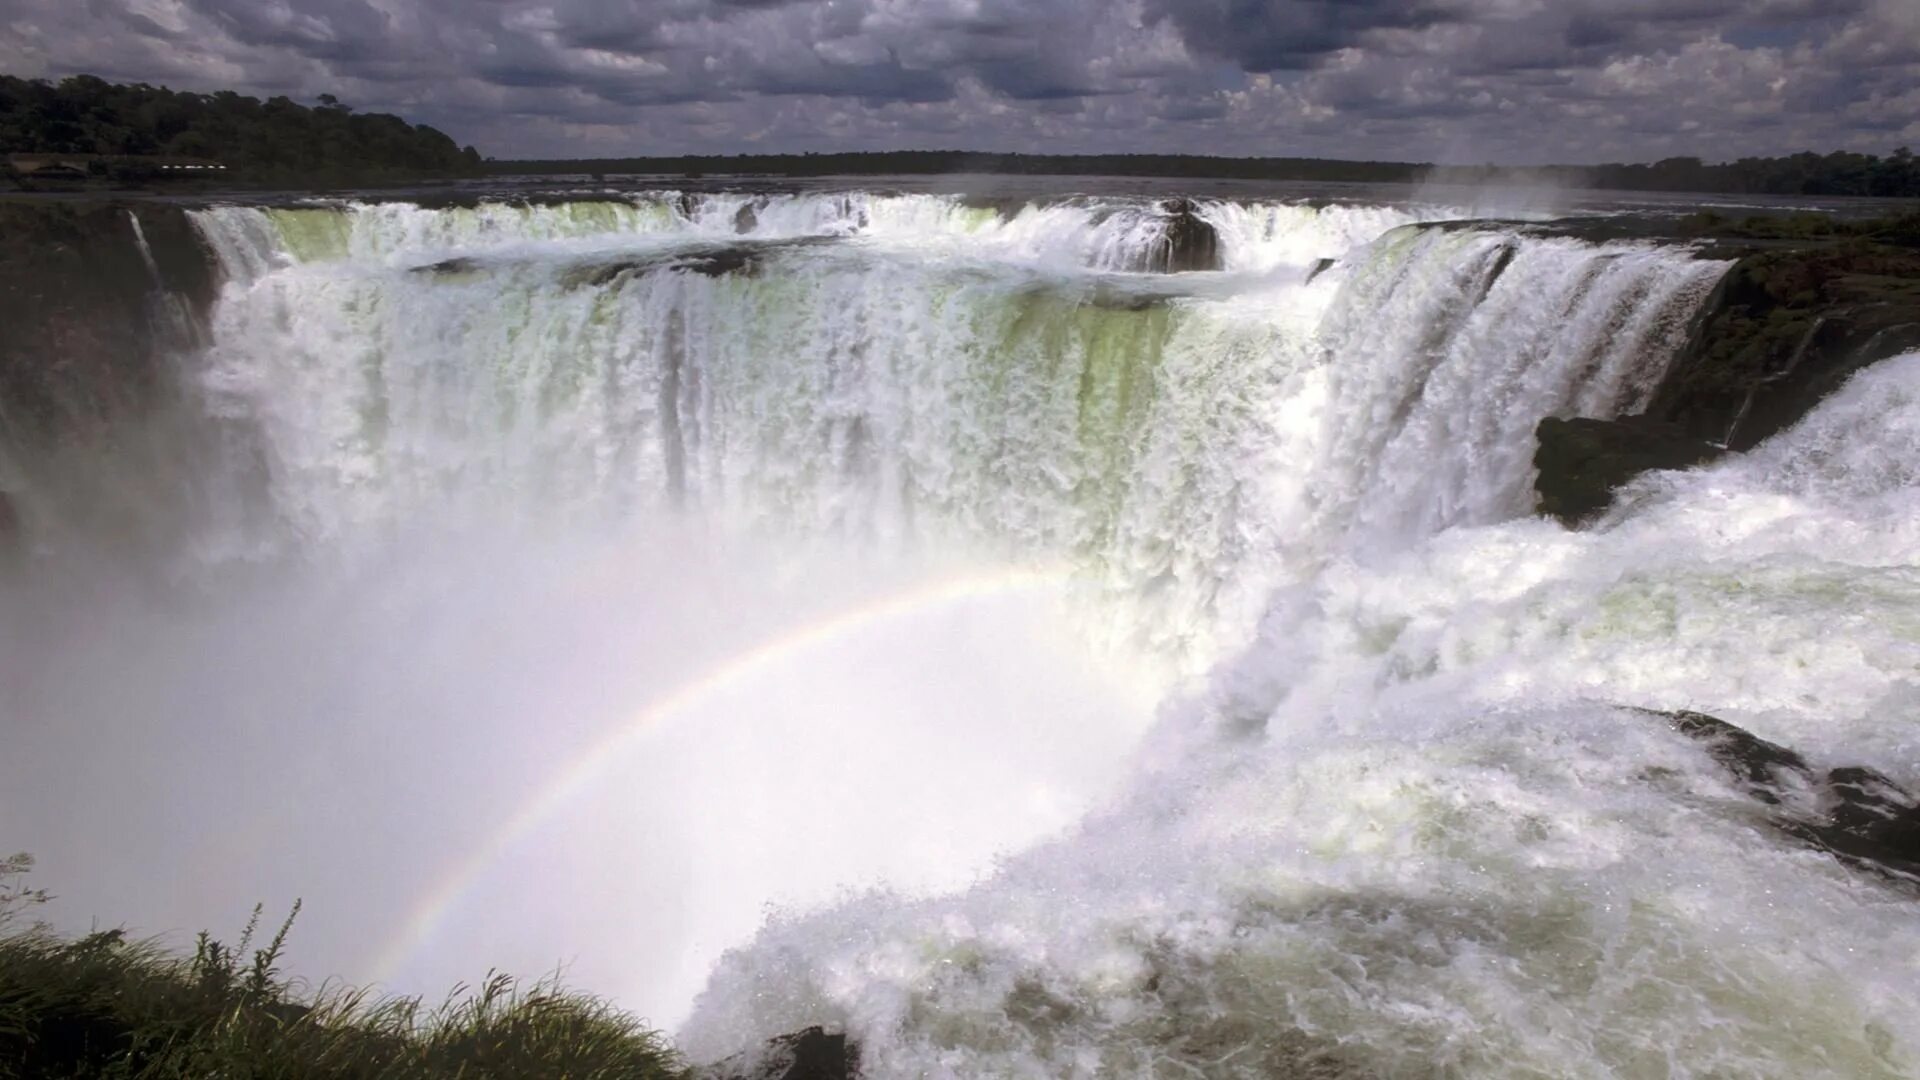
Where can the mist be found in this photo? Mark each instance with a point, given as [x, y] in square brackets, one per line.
[384, 738]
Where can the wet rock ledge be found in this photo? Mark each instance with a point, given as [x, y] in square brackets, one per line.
[812, 1054]
[1856, 814]
[1792, 320]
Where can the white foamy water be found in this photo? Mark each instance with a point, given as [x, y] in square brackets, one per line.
[772, 548]
[1411, 830]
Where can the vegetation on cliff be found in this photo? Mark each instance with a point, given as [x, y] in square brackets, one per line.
[103, 1005]
[1808, 301]
[273, 141]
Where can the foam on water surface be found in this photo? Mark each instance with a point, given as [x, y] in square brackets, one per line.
[1412, 830]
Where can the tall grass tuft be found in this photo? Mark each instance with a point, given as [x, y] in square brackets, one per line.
[102, 1005]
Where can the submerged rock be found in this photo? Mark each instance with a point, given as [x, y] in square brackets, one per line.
[812, 1054]
[1583, 462]
[742, 257]
[457, 266]
[1005, 207]
[1857, 814]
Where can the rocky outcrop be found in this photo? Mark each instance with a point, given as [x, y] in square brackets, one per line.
[1189, 243]
[90, 326]
[84, 318]
[1583, 462]
[1784, 330]
[1856, 814]
[1790, 322]
[812, 1054]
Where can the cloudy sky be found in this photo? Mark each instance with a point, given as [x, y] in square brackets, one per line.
[1521, 81]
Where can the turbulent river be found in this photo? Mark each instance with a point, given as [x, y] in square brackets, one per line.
[936, 621]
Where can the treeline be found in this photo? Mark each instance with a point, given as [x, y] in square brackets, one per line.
[948, 162]
[1897, 175]
[1839, 173]
[271, 141]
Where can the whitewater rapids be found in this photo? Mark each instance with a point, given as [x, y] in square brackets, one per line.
[1307, 752]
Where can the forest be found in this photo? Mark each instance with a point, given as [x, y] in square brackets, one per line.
[276, 141]
[1840, 173]
[281, 142]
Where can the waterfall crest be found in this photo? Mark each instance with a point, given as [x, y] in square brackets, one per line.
[907, 369]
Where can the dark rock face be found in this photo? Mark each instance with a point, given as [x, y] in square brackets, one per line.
[1785, 329]
[745, 219]
[1788, 325]
[1583, 462]
[804, 1055]
[90, 328]
[1190, 243]
[80, 311]
[1854, 813]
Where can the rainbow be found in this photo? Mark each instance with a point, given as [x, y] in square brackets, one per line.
[580, 775]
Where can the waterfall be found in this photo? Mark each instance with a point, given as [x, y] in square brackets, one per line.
[920, 375]
[1410, 827]
[724, 554]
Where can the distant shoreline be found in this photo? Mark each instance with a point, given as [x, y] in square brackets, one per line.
[1836, 174]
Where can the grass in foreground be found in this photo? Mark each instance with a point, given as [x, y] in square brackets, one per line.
[105, 1006]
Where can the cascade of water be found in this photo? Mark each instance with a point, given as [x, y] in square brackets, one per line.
[146, 250]
[1205, 446]
[1261, 236]
[1441, 842]
[878, 391]
[1117, 235]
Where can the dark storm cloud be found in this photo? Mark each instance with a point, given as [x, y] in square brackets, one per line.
[323, 28]
[1522, 80]
[1274, 35]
